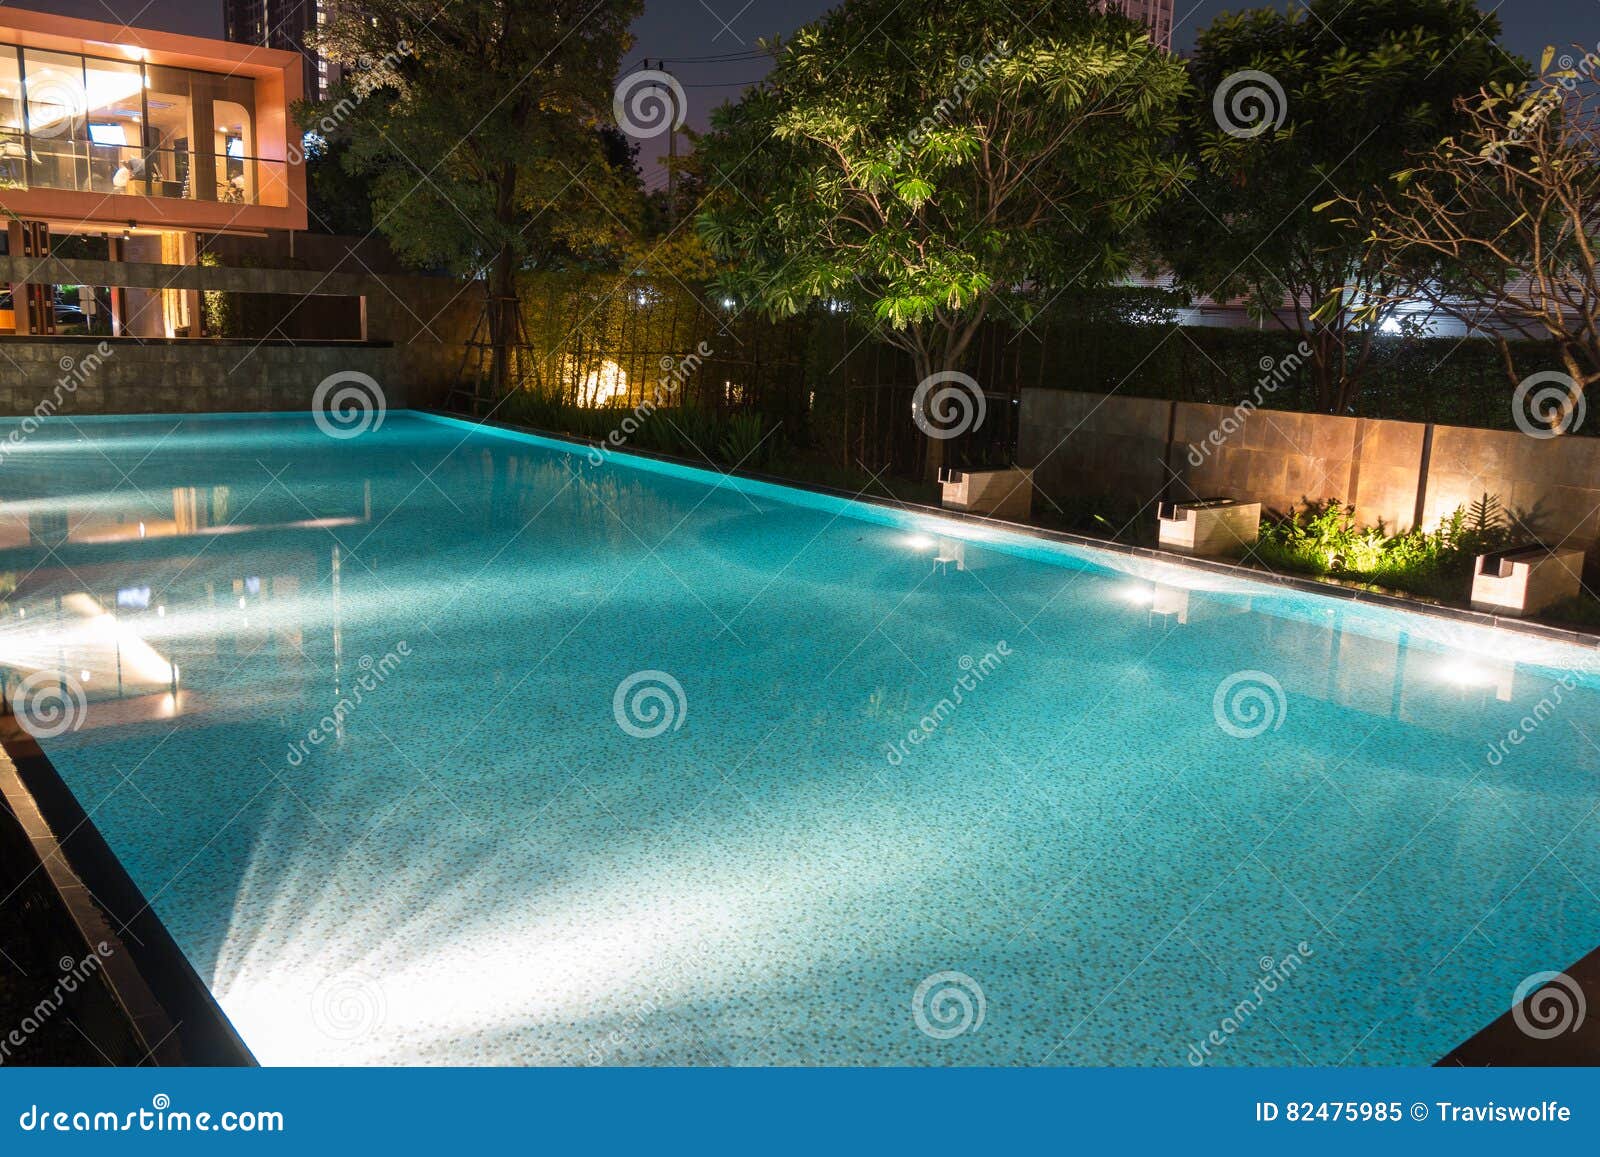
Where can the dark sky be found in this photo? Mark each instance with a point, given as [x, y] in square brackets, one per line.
[686, 32]
[695, 27]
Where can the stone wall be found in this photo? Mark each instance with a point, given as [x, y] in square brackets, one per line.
[1400, 474]
[43, 376]
[415, 333]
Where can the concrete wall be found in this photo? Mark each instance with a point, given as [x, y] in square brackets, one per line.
[1396, 473]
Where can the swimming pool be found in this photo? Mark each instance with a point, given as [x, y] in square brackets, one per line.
[446, 745]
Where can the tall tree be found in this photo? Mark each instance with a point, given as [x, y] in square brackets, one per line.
[480, 126]
[1292, 109]
[1512, 203]
[932, 162]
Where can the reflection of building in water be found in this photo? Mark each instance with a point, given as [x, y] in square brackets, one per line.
[107, 606]
[179, 512]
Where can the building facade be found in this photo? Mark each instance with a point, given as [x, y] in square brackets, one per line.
[127, 144]
[287, 26]
[1157, 14]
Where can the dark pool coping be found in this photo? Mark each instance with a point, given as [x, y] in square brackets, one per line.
[169, 1009]
[1577, 636]
[1504, 1044]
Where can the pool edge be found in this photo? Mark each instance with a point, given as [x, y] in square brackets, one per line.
[1573, 636]
[168, 1007]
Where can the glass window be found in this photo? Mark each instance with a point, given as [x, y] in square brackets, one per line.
[170, 131]
[113, 126]
[114, 111]
[13, 148]
[235, 151]
[57, 130]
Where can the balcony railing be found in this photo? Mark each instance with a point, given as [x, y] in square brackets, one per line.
[84, 167]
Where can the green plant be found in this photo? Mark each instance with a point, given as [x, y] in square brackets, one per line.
[1290, 107]
[1325, 540]
[921, 160]
[743, 441]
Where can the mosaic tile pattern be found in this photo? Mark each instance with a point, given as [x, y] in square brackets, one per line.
[475, 864]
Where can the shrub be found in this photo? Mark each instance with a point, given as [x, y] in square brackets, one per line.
[1325, 540]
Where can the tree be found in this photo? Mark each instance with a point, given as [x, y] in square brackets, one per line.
[479, 124]
[337, 200]
[1292, 109]
[927, 162]
[1511, 203]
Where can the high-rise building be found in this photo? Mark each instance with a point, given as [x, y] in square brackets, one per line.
[1155, 13]
[286, 25]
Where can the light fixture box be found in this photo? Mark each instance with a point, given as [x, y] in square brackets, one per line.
[1215, 526]
[1524, 580]
[996, 493]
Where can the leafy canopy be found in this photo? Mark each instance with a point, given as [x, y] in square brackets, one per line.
[923, 160]
[1360, 87]
[479, 124]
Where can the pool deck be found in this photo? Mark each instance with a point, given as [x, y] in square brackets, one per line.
[177, 1020]
[171, 1014]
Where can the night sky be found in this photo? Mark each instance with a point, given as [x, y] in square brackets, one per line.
[685, 32]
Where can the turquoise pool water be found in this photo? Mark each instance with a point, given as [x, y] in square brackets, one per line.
[483, 753]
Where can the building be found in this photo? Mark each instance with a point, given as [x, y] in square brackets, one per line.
[132, 144]
[285, 25]
[1155, 13]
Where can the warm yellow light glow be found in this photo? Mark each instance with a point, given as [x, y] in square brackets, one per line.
[599, 387]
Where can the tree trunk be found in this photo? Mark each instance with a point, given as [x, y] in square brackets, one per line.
[932, 447]
[1326, 370]
[503, 326]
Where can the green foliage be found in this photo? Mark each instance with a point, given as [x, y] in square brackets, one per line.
[1325, 540]
[1364, 86]
[926, 160]
[1443, 379]
[696, 433]
[478, 129]
[338, 201]
[474, 125]
[743, 440]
